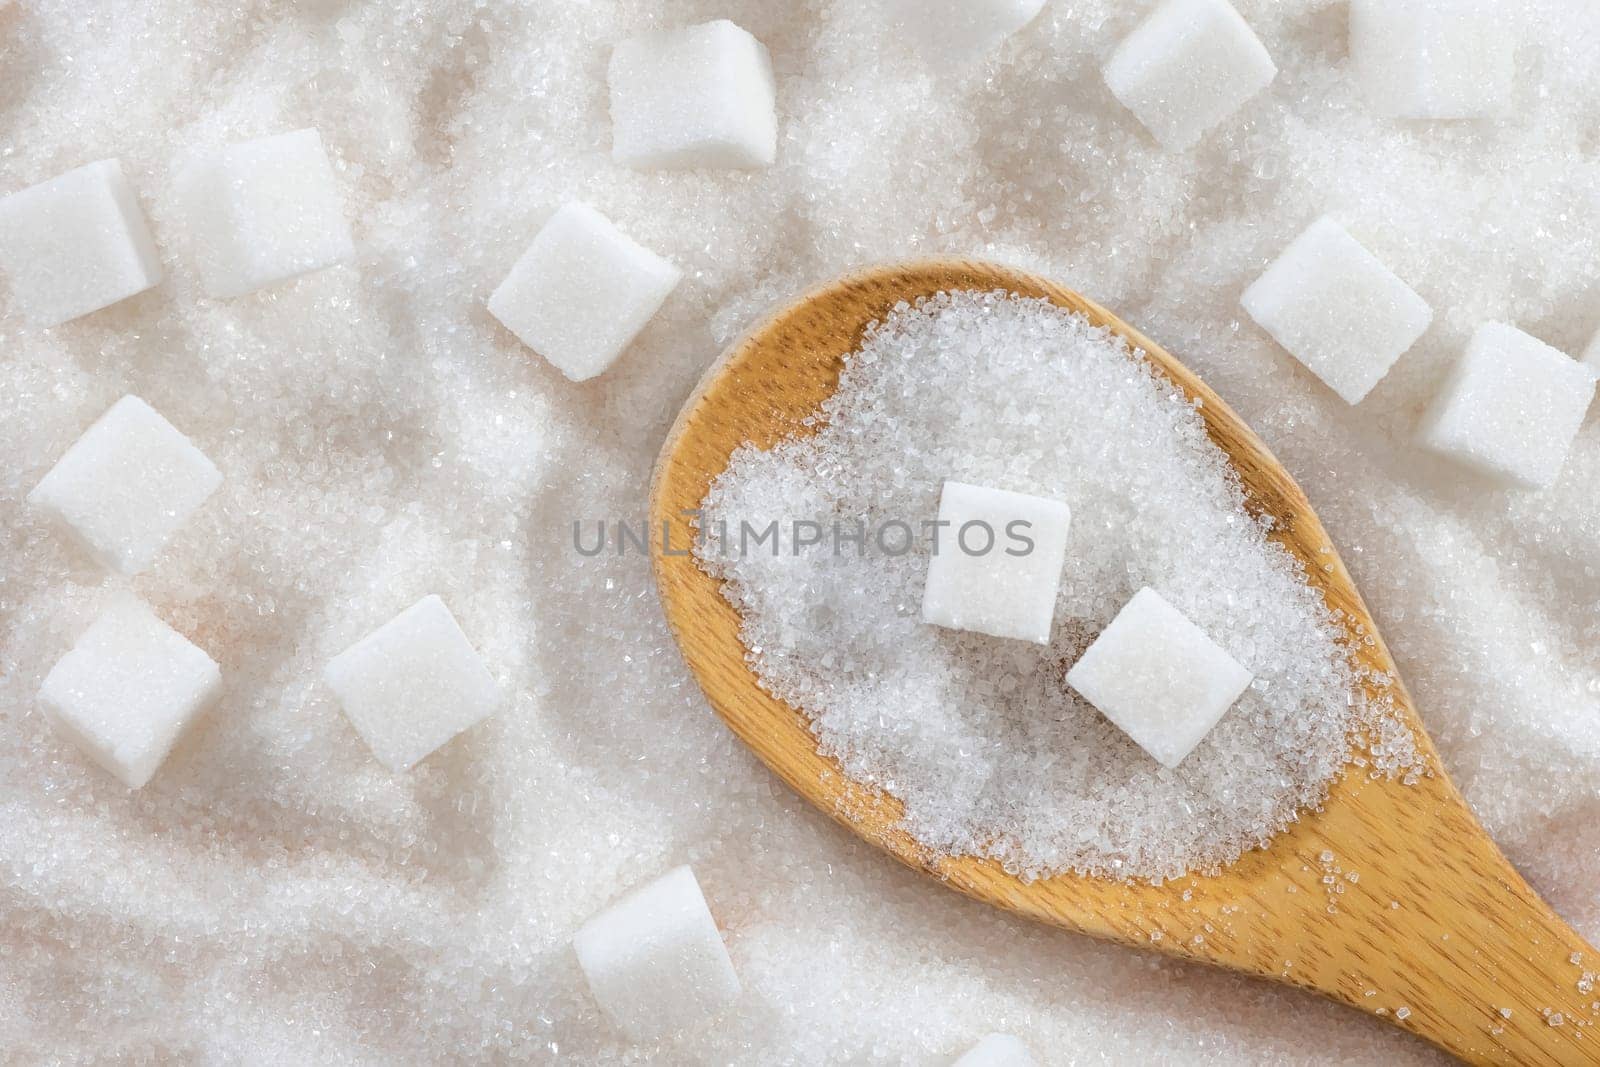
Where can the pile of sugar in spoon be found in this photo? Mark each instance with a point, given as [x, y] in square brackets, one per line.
[990, 748]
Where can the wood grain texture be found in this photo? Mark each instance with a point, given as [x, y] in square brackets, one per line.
[1438, 935]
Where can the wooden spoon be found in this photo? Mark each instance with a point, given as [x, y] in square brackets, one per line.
[1439, 935]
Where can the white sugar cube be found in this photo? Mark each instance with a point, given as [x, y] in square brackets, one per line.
[1434, 59]
[959, 33]
[1591, 355]
[1186, 67]
[263, 211]
[412, 684]
[655, 960]
[127, 484]
[997, 563]
[76, 243]
[699, 96]
[1158, 677]
[127, 690]
[1337, 309]
[997, 1050]
[582, 292]
[1510, 407]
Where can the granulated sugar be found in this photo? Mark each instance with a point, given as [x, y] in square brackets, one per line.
[980, 737]
[274, 895]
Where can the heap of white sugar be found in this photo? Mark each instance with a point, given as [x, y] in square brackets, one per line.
[980, 737]
[275, 895]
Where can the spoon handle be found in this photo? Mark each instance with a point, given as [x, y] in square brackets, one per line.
[1447, 928]
[1397, 902]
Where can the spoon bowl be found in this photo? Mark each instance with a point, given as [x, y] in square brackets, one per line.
[1439, 935]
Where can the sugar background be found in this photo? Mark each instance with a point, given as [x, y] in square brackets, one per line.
[274, 896]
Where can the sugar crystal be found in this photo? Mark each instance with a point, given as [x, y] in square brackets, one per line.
[956, 34]
[1159, 677]
[655, 959]
[997, 1050]
[1434, 59]
[582, 292]
[997, 565]
[699, 96]
[412, 684]
[127, 484]
[127, 689]
[263, 211]
[76, 243]
[1187, 67]
[1337, 309]
[1510, 408]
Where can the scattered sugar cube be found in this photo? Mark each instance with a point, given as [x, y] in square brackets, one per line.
[1510, 408]
[1433, 59]
[582, 292]
[960, 33]
[1158, 677]
[997, 564]
[127, 484]
[128, 689]
[699, 96]
[655, 960]
[1337, 309]
[1186, 67]
[412, 684]
[1591, 355]
[264, 211]
[76, 243]
[997, 1050]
